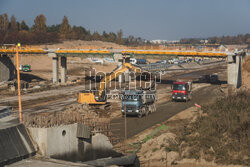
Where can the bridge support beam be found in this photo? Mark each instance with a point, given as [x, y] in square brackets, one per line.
[63, 69]
[54, 67]
[234, 77]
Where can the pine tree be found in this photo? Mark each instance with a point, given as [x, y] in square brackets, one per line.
[65, 28]
[4, 22]
[13, 24]
[40, 24]
[24, 26]
[96, 36]
[119, 37]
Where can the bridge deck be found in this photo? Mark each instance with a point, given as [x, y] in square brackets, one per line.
[108, 52]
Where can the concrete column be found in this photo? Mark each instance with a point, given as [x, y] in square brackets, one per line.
[55, 69]
[63, 69]
[234, 71]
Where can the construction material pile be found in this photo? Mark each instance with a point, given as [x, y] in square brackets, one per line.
[75, 113]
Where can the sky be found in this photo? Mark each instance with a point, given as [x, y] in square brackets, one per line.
[148, 19]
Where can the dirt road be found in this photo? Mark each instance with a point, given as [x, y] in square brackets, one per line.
[164, 111]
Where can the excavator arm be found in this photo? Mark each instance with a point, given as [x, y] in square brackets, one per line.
[90, 97]
[115, 74]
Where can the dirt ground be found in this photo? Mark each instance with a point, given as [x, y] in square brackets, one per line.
[79, 44]
[76, 66]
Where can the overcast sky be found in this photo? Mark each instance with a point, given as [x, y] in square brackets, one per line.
[149, 19]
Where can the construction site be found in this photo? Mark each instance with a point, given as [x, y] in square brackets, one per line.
[124, 83]
[97, 106]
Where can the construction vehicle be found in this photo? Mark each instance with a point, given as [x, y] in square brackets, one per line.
[138, 102]
[98, 97]
[181, 91]
[25, 68]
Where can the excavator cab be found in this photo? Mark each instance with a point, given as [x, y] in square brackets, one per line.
[126, 58]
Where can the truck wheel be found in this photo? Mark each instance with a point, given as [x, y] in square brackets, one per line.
[153, 108]
[139, 115]
[147, 111]
[142, 112]
[150, 108]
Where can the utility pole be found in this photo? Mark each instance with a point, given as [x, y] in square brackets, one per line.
[18, 84]
[125, 123]
[125, 128]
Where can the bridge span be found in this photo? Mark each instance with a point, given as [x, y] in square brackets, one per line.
[112, 53]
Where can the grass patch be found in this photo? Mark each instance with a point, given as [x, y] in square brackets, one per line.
[155, 132]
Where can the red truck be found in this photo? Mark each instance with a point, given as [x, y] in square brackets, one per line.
[181, 91]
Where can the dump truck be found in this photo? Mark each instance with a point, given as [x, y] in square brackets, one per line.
[181, 91]
[138, 102]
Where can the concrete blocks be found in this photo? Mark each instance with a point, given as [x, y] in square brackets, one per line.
[15, 144]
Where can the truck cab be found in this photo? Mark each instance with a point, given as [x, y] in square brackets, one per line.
[138, 102]
[132, 102]
[181, 91]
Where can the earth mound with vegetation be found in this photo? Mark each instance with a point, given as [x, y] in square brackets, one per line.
[221, 132]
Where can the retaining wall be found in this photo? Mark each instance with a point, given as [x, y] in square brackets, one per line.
[72, 142]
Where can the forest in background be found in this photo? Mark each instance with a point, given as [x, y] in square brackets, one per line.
[224, 40]
[12, 31]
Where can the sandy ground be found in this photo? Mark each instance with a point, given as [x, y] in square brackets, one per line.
[79, 44]
[41, 66]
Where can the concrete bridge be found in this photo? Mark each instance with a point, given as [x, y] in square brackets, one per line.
[62, 54]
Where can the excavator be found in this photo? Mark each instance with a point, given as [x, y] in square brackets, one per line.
[98, 97]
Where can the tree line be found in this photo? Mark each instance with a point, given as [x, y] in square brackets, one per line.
[224, 40]
[12, 31]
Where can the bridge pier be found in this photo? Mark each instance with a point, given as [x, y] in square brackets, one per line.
[234, 77]
[55, 69]
[63, 69]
